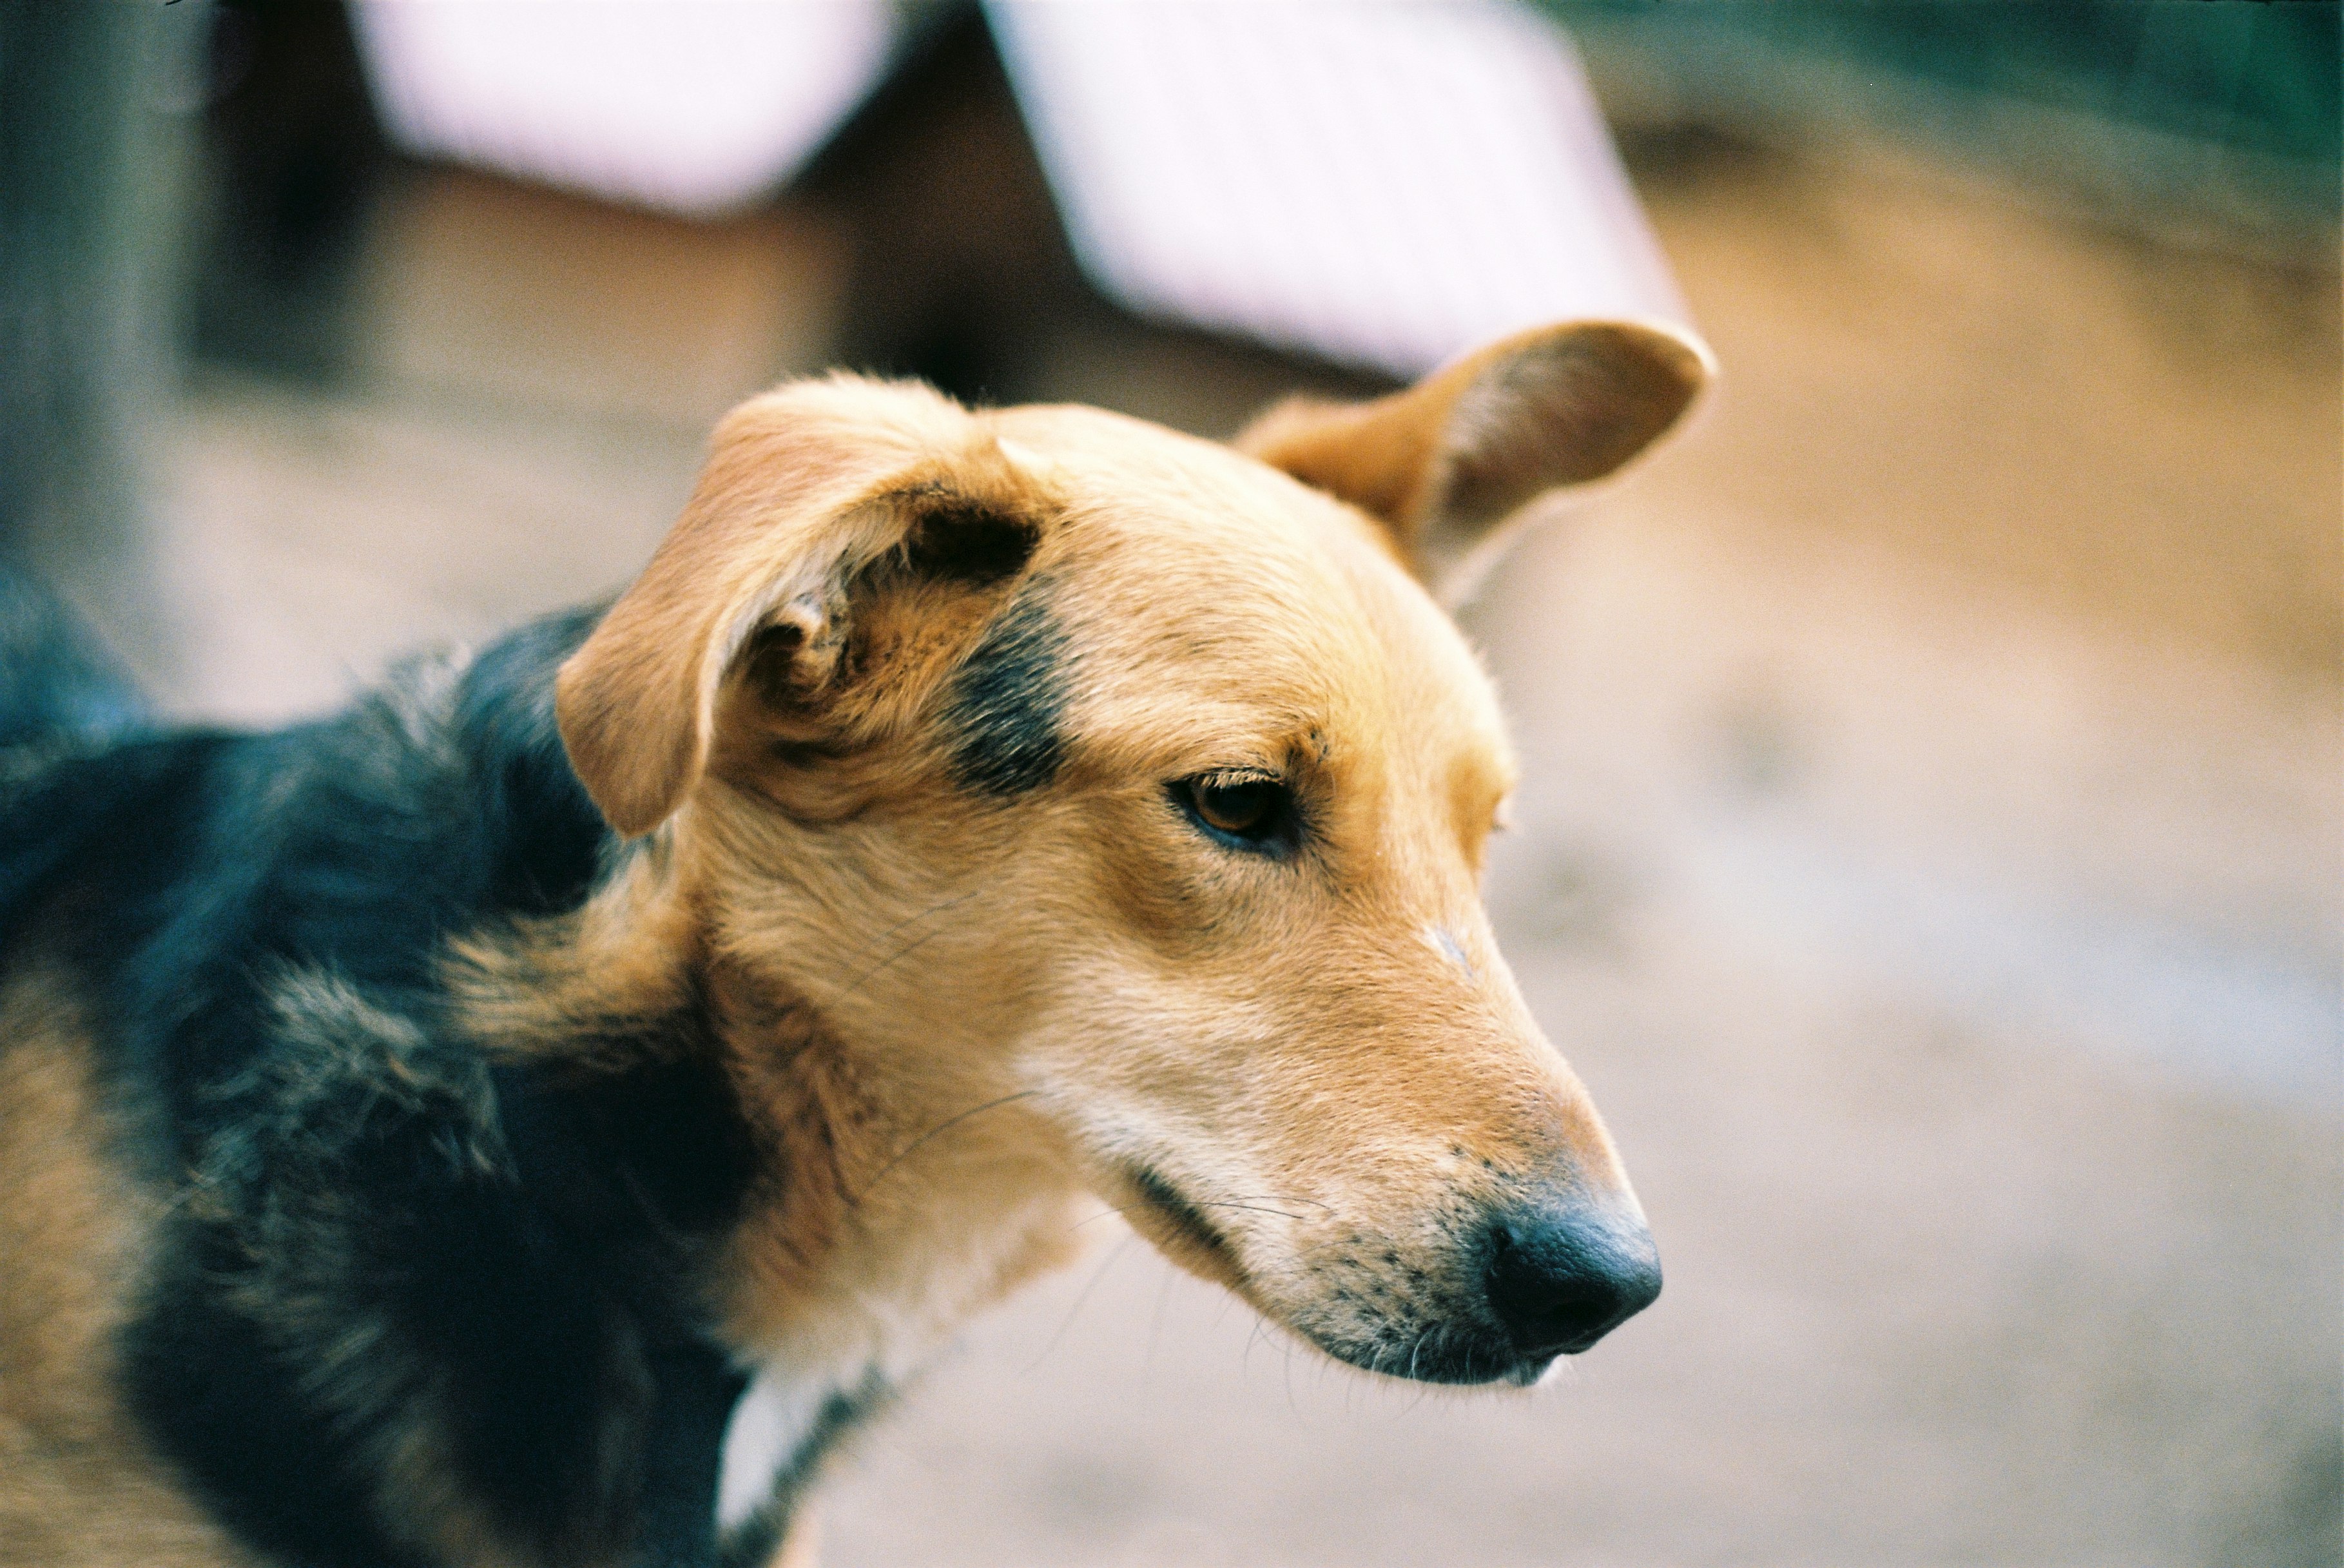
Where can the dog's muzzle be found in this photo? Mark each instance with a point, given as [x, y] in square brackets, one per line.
[1538, 1275]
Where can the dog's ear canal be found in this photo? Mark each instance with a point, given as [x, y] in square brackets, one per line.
[1446, 461]
[816, 502]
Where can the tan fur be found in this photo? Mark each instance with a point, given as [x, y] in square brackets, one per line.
[953, 1014]
[628, 953]
[954, 1004]
[1445, 460]
[803, 487]
[79, 1487]
[846, 1265]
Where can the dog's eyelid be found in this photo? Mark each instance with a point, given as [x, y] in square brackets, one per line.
[1261, 819]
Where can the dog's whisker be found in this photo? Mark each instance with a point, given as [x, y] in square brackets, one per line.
[864, 978]
[911, 920]
[1285, 1197]
[1192, 1202]
[912, 1147]
[899, 954]
[1249, 1207]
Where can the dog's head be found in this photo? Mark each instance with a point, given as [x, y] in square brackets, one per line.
[1050, 755]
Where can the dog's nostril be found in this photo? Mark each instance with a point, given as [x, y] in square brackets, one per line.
[1561, 1279]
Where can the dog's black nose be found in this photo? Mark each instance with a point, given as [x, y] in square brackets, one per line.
[1563, 1275]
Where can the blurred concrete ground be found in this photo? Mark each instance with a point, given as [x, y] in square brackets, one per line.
[1929, 854]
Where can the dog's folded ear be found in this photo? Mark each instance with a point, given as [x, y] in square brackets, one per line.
[1446, 461]
[827, 513]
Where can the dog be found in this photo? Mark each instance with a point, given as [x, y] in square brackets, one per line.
[426, 1132]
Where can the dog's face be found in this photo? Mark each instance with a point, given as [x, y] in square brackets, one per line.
[1061, 760]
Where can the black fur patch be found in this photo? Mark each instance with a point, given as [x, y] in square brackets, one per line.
[1160, 1192]
[1008, 704]
[684, 1457]
[388, 1243]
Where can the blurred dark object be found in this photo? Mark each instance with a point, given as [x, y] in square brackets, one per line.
[958, 266]
[1298, 175]
[293, 163]
[958, 269]
[2209, 122]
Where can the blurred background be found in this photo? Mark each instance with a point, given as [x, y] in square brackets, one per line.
[1932, 850]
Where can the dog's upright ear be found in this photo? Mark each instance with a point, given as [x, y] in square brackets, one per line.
[828, 512]
[1446, 461]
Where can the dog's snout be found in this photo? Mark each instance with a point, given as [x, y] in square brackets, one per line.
[1563, 1275]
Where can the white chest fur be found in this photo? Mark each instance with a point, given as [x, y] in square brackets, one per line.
[896, 1296]
[766, 1439]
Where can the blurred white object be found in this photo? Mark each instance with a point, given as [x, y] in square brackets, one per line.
[694, 106]
[1382, 182]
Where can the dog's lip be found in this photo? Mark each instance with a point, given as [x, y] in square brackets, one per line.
[1198, 1245]
[1159, 1197]
[1495, 1367]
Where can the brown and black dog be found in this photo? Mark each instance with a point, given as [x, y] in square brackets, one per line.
[420, 1130]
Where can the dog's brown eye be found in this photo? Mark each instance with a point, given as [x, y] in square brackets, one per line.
[1255, 812]
[1242, 808]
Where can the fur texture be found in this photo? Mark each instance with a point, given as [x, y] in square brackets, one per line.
[419, 1129]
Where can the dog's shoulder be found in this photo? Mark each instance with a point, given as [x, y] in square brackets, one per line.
[418, 1299]
[409, 1295]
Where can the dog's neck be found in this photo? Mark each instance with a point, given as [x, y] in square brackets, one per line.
[890, 1197]
[899, 1202]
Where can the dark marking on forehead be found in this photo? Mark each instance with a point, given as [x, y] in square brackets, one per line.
[1009, 702]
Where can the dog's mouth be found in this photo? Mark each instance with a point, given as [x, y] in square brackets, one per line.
[1180, 1228]
[1461, 1352]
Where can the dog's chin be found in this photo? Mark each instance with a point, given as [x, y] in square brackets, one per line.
[1444, 1357]
[1180, 1231]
